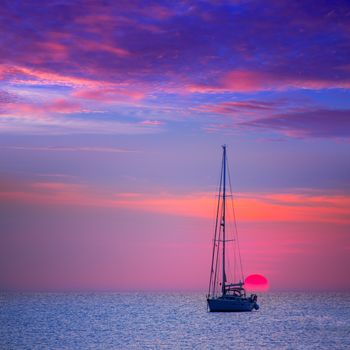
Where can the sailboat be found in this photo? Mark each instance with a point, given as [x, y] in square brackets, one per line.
[226, 287]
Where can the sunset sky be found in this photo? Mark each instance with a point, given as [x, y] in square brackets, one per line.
[112, 117]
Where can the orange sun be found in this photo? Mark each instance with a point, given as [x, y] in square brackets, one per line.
[257, 283]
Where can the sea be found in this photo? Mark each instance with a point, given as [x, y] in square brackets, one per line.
[171, 321]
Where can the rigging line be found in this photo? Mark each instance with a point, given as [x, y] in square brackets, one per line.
[215, 244]
[231, 271]
[234, 261]
[216, 229]
[234, 248]
[216, 280]
[217, 260]
[235, 223]
[232, 277]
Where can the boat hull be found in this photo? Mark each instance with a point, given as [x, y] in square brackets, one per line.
[222, 304]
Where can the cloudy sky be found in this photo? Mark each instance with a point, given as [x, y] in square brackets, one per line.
[112, 117]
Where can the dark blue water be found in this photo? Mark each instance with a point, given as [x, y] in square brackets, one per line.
[171, 321]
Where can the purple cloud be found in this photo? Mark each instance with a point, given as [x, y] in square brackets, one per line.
[158, 43]
[151, 57]
[325, 123]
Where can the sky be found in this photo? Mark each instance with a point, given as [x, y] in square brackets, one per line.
[112, 117]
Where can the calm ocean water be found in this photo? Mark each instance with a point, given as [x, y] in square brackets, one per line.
[171, 321]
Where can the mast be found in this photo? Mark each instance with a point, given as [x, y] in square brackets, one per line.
[223, 223]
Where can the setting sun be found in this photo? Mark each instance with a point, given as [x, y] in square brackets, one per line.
[256, 283]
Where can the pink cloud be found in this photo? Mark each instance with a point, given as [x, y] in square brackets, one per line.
[111, 22]
[63, 106]
[55, 106]
[246, 81]
[32, 76]
[53, 50]
[109, 94]
[98, 46]
[159, 12]
[251, 81]
[96, 19]
[237, 107]
[306, 122]
[237, 81]
[250, 207]
[152, 122]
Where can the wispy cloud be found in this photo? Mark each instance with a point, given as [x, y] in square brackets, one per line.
[287, 118]
[36, 76]
[60, 126]
[245, 81]
[70, 149]
[308, 123]
[306, 206]
[110, 94]
[152, 122]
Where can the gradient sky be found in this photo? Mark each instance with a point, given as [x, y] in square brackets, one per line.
[112, 115]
